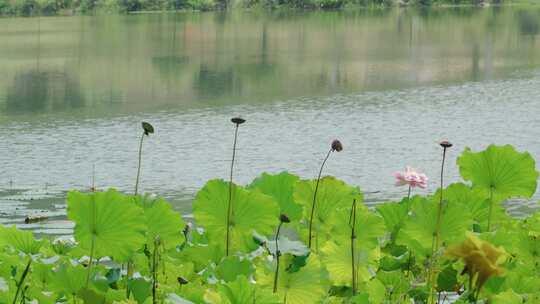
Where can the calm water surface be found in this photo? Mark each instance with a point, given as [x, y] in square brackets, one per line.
[388, 83]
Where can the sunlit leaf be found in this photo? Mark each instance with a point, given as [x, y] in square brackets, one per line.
[500, 169]
[22, 241]
[419, 229]
[231, 267]
[252, 212]
[162, 221]
[300, 280]
[107, 221]
[241, 291]
[281, 188]
[337, 258]
[332, 195]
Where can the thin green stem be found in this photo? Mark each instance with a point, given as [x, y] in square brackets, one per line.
[436, 238]
[139, 166]
[93, 225]
[21, 281]
[490, 208]
[90, 262]
[154, 272]
[278, 254]
[230, 207]
[353, 240]
[409, 193]
[315, 198]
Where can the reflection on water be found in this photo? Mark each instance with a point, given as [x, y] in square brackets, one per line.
[116, 65]
[39, 91]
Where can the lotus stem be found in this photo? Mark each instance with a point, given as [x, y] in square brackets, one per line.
[315, 198]
[147, 130]
[229, 206]
[154, 271]
[93, 217]
[436, 239]
[490, 208]
[21, 281]
[139, 166]
[278, 254]
[90, 262]
[353, 239]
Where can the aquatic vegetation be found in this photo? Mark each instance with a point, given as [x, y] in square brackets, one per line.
[457, 242]
[337, 147]
[230, 210]
[147, 130]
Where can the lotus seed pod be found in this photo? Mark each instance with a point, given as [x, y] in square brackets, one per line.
[284, 219]
[148, 128]
[337, 146]
[238, 120]
[445, 144]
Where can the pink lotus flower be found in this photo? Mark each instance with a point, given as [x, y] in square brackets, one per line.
[411, 177]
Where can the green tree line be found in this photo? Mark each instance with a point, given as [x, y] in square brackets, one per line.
[70, 7]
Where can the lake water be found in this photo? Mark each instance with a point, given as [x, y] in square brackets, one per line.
[390, 84]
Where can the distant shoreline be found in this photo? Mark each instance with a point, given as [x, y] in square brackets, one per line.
[28, 8]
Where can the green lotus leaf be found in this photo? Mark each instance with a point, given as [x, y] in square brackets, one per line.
[22, 241]
[395, 285]
[507, 297]
[176, 299]
[332, 195]
[418, 229]
[141, 289]
[394, 214]
[91, 296]
[233, 266]
[300, 279]
[337, 255]
[285, 245]
[281, 188]
[241, 291]
[69, 279]
[162, 221]
[370, 227]
[252, 211]
[337, 258]
[500, 169]
[107, 221]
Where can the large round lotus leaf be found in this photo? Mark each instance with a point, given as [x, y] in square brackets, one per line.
[418, 229]
[251, 211]
[300, 280]
[281, 188]
[501, 169]
[337, 258]
[241, 291]
[162, 221]
[22, 241]
[109, 221]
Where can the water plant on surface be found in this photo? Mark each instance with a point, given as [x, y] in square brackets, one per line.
[358, 255]
[335, 146]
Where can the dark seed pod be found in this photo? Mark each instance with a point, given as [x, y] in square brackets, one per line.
[445, 144]
[337, 146]
[238, 120]
[182, 281]
[148, 128]
[284, 219]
